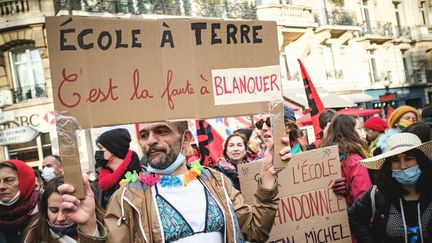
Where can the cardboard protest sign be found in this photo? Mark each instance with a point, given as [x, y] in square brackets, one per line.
[109, 71]
[309, 210]
[66, 130]
[161, 69]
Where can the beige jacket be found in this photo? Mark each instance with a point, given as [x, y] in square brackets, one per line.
[131, 214]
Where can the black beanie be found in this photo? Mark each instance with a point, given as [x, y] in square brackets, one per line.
[116, 141]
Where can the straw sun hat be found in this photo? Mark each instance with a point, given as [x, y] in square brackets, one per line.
[397, 144]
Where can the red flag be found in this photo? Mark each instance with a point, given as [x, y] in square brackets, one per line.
[314, 101]
[389, 111]
[210, 143]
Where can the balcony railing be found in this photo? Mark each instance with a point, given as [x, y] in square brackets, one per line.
[403, 32]
[335, 17]
[386, 29]
[286, 13]
[114, 6]
[335, 74]
[29, 92]
[379, 28]
[9, 8]
[413, 75]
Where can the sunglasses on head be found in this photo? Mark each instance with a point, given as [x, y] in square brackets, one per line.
[259, 124]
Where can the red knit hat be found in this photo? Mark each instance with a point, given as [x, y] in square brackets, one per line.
[26, 177]
[376, 123]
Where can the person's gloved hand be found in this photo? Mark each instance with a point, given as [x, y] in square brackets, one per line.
[340, 186]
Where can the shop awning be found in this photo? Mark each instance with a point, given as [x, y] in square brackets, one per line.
[358, 97]
[329, 99]
[306, 118]
[360, 112]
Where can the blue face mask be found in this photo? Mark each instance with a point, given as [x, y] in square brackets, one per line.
[69, 230]
[408, 176]
[170, 169]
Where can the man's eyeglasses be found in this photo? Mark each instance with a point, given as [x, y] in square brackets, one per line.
[259, 124]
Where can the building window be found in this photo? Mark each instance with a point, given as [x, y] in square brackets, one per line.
[366, 17]
[424, 14]
[398, 18]
[285, 72]
[27, 71]
[33, 150]
[406, 64]
[372, 66]
[329, 61]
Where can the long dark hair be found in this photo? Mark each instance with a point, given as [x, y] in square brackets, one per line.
[341, 132]
[38, 229]
[394, 190]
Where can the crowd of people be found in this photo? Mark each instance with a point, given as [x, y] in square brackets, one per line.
[385, 179]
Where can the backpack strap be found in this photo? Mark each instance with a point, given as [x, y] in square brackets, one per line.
[372, 195]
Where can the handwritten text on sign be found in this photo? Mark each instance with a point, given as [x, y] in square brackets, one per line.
[245, 85]
[309, 210]
[101, 65]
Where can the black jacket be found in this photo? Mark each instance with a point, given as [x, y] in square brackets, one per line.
[103, 197]
[360, 214]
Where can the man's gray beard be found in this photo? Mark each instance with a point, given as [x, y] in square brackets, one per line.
[165, 161]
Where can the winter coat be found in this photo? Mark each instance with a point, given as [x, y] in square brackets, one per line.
[16, 235]
[360, 215]
[102, 196]
[131, 215]
[357, 177]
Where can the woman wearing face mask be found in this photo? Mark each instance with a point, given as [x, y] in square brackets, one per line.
[50, 224]
[400, 207]
[18, 199]
[234, 153]
[115, 159]
[399, 119]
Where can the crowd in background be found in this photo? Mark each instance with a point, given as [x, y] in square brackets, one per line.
[386, 175]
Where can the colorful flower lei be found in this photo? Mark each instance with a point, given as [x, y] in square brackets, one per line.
[129, 178]
[193, 173]
[150, 179]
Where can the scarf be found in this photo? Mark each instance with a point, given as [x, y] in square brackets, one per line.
[108, 179]
[373, 145]
[15, 216]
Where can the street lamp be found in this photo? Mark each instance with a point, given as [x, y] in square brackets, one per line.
[388, 97]
[387, 84]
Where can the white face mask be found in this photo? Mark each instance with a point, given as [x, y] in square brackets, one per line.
[12, 201]
[48, 173]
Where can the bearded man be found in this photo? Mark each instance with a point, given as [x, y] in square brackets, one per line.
[174, 202]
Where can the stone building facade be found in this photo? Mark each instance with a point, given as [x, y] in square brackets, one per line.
[360, 49]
